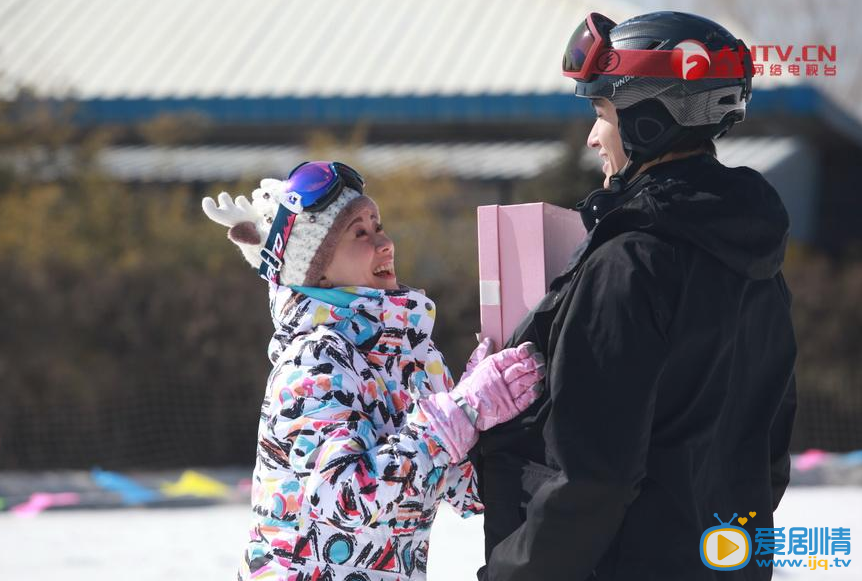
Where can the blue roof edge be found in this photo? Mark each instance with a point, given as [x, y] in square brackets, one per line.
[794, 101]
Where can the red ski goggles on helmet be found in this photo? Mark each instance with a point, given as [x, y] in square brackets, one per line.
[589, 53]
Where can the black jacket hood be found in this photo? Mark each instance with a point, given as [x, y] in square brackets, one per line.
[734, 214]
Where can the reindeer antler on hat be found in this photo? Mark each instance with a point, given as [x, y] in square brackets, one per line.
[248, 222]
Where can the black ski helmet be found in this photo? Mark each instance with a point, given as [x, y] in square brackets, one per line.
[660, 114]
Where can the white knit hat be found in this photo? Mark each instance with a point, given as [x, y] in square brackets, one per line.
[312, 240]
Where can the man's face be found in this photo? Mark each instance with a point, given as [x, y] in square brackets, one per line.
[605, 137]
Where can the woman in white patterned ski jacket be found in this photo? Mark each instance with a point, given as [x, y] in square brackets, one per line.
[349, 475]
[362, 431]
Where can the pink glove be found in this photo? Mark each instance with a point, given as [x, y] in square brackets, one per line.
[485, 347]
[494, 389]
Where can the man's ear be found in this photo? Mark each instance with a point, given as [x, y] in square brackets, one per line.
[602, 102]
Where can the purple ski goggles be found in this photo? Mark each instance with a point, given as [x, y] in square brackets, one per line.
[311, 187]
[318, 183]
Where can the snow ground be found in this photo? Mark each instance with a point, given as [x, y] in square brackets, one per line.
[205, 543]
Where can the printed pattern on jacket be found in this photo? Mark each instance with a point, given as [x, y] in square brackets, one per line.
[349, 473]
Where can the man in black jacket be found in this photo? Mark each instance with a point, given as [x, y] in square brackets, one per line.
[670, 350]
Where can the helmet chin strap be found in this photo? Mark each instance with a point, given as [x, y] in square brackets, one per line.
[619, 180]
[604, 200]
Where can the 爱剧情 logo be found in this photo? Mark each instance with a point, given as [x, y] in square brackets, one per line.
[726, 547]
[690, 60]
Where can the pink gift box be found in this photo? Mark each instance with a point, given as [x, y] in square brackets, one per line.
[521, 249]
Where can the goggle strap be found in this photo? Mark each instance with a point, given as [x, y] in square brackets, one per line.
[724, 64]
[273, 251]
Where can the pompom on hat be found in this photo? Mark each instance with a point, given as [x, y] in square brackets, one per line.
[316, 229]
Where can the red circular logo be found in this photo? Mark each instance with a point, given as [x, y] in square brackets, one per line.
[690, 60]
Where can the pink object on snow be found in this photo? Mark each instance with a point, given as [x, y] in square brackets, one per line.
[40, 501]
[521, 249]
[810, 459]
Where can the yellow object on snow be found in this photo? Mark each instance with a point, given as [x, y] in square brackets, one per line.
[193, 483]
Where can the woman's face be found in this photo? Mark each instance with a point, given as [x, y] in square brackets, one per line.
[364, 256]
[605, 136]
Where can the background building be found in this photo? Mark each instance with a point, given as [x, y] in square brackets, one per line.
[120, 116]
